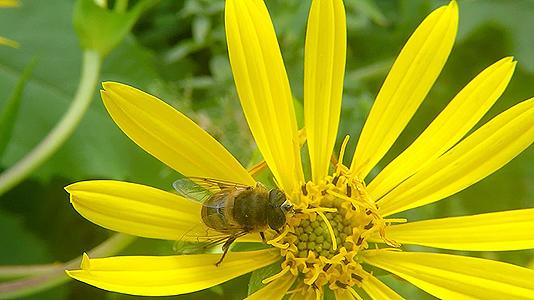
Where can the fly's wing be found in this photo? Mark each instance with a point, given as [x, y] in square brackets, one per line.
[199, 242]
[191, 190]
[200, 189]
[216, 185]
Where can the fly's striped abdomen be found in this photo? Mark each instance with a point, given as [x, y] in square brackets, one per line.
[214, 213]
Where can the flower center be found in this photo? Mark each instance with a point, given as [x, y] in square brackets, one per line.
[333, 222]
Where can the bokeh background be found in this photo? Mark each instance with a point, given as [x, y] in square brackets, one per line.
[177, 51]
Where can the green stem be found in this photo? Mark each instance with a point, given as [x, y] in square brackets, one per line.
[64, 128]
[121, 6]
[55, 274]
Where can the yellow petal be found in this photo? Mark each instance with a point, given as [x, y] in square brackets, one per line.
[324, 68]
[9, 3]
[8, 42]
[169, 275]
[170, 136]
[477, 156]
[507, 230]
[457, 277]
[343, 294]
[275, 290]
[377, 290]
[305, 292]
[263, 88]
[462, 113]
[137, 209]
[411, 77]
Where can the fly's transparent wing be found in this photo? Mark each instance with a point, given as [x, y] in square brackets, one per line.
[216, 185]
[191, 190]
[200, 188]
[195, 241]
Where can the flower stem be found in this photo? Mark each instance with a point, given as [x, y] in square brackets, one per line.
[55, 273]
[64, 128]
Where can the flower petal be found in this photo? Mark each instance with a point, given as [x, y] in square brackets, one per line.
[169, 275]
[9, 3]
[477, 156]
[377, 290]
[8, 42]
[499, 231]
[136, 209]
[324, 68]
[170, 136]
[263, 88]
[275, 290]
[343, 294]
[411, 77]
[457, 277]
[462, 113]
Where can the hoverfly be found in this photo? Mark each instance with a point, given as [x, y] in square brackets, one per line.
[235, 210]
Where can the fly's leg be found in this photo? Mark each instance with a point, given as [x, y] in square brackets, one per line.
[226, 247]
[263, 237]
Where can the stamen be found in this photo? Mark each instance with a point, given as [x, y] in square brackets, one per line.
[335, 180]
[354, 202]
[280, 236]
[312, 279]
[294, 291]
[357, 277]
[276, 276]
[317, 294]
[304, 190]
[320, 209]
[275, 242]
[330, 230]
[342, 153]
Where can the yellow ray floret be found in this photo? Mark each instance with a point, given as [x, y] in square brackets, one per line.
[507, 230]
[274, 290]
[457, 277]
[168, 275]
[376, 289]
[170, 136]
[480, 154]
[324, 68]
[411, 77]
[462, 113]
[136, 209]
[9, 3]
[8, 42]
[263, 88]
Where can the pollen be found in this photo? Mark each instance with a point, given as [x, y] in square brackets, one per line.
[334, 221]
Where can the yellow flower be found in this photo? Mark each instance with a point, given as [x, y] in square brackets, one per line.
[3, 40]
[341, 225]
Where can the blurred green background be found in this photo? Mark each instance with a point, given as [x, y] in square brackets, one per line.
[177, 51]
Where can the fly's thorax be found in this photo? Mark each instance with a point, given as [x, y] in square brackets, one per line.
[250, 209]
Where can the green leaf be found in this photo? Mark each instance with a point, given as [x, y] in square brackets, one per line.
[257, 276]
[9, 112]
[97, 149]
[102, 29]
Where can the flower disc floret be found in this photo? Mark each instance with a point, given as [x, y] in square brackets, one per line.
[323, 240]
